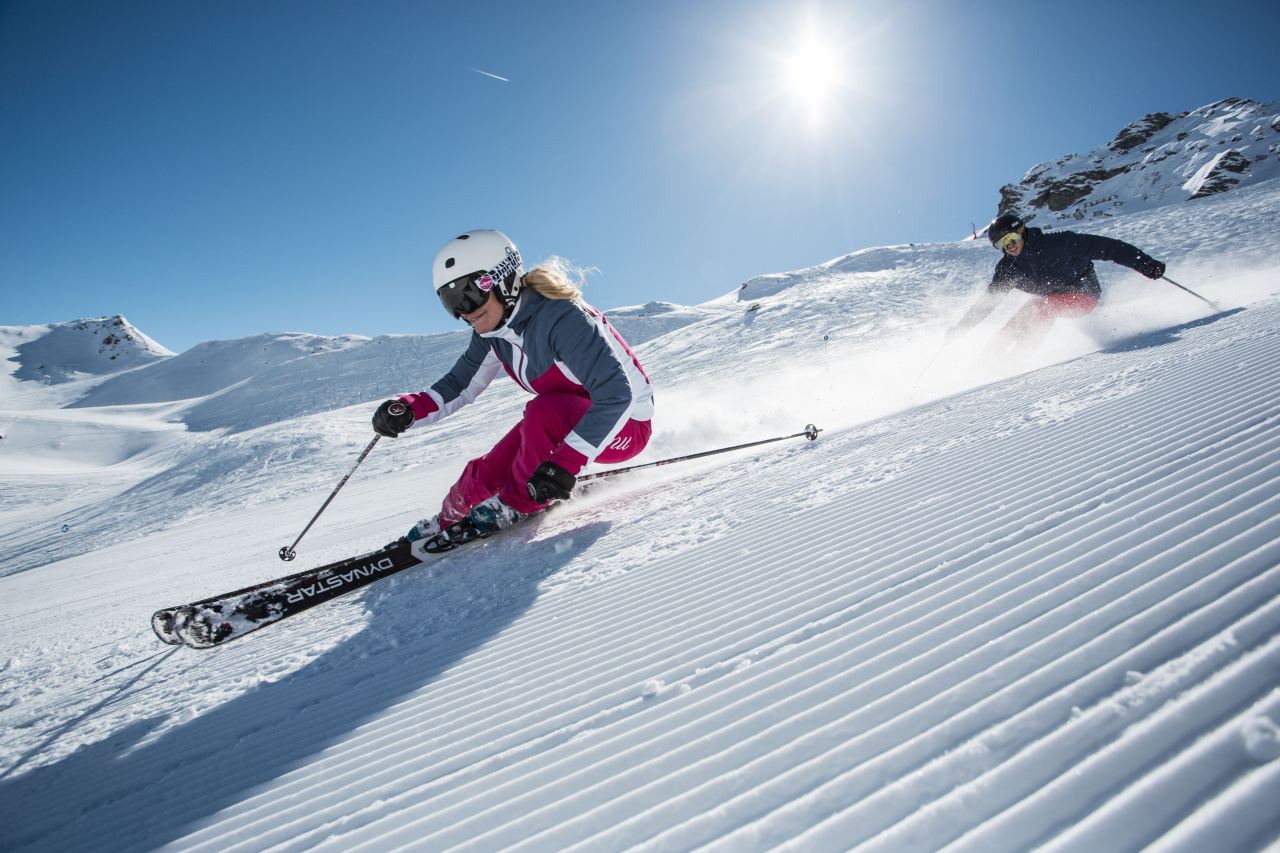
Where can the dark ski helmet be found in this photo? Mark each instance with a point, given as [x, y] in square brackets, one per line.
[474, 264]
[1003, 224]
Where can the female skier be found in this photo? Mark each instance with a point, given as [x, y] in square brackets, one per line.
[592, 399]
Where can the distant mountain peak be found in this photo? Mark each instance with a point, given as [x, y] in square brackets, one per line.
[1162, 158]
[91, 346]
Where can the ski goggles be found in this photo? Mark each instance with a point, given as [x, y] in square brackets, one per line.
[466, 294]
[1007, 240]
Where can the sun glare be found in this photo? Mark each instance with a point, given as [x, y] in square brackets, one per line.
[796, 79]
[812, 76]
[811, 68]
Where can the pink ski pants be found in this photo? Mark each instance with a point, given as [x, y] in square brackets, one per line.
[504, 470]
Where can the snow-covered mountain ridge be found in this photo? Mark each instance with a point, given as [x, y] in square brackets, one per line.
[260, 378]
[211, 366]
[64, 351]
[1157, 160]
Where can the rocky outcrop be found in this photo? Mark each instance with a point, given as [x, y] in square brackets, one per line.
[1224, 175]
[1162, 158]
[1061, 194]
[1133, 135]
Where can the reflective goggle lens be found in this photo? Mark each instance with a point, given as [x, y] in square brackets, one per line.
[463, 295]
[1007, 240]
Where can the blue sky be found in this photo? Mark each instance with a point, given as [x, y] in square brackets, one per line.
[220, 169]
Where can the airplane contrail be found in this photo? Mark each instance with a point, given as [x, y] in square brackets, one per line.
[487, 74]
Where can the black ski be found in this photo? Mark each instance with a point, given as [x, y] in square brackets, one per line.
[221, 618]
[214, 622]
[165, 621]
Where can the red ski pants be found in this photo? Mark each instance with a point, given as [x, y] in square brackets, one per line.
[504, 470]
[1029, 325]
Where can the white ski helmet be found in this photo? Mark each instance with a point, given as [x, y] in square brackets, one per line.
[472, 265]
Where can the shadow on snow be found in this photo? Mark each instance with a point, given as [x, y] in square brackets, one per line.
[422, 624]
[1161, 337]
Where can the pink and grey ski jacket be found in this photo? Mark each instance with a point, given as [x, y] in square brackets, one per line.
[552, 346]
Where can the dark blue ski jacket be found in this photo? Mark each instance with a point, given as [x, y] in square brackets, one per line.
[1062, 262]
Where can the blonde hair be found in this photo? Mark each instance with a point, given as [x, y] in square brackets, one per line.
[556, 278]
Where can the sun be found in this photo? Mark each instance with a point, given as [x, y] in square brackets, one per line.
[810, 69]
[811, 75]
[805, 83]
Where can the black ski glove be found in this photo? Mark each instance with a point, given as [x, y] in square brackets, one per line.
[392, 418]
[1152, 268]
[550, 483]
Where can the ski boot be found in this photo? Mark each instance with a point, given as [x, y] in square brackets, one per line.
[485, 519]
[424, 529]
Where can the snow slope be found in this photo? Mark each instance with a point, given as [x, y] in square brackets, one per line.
[211, 366]
[990, 608]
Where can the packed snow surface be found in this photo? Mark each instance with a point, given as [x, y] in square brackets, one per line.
[992, 607]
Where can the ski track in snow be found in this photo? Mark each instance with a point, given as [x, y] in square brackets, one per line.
[1043, 611]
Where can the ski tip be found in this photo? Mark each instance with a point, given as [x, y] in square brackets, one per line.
[165, 624]
[203, 630]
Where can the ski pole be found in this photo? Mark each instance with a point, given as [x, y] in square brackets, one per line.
[810, 432]
[287, 553]
[1212, 305]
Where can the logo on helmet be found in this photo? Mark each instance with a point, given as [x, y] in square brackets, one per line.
[508, 267]
[501, 275]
